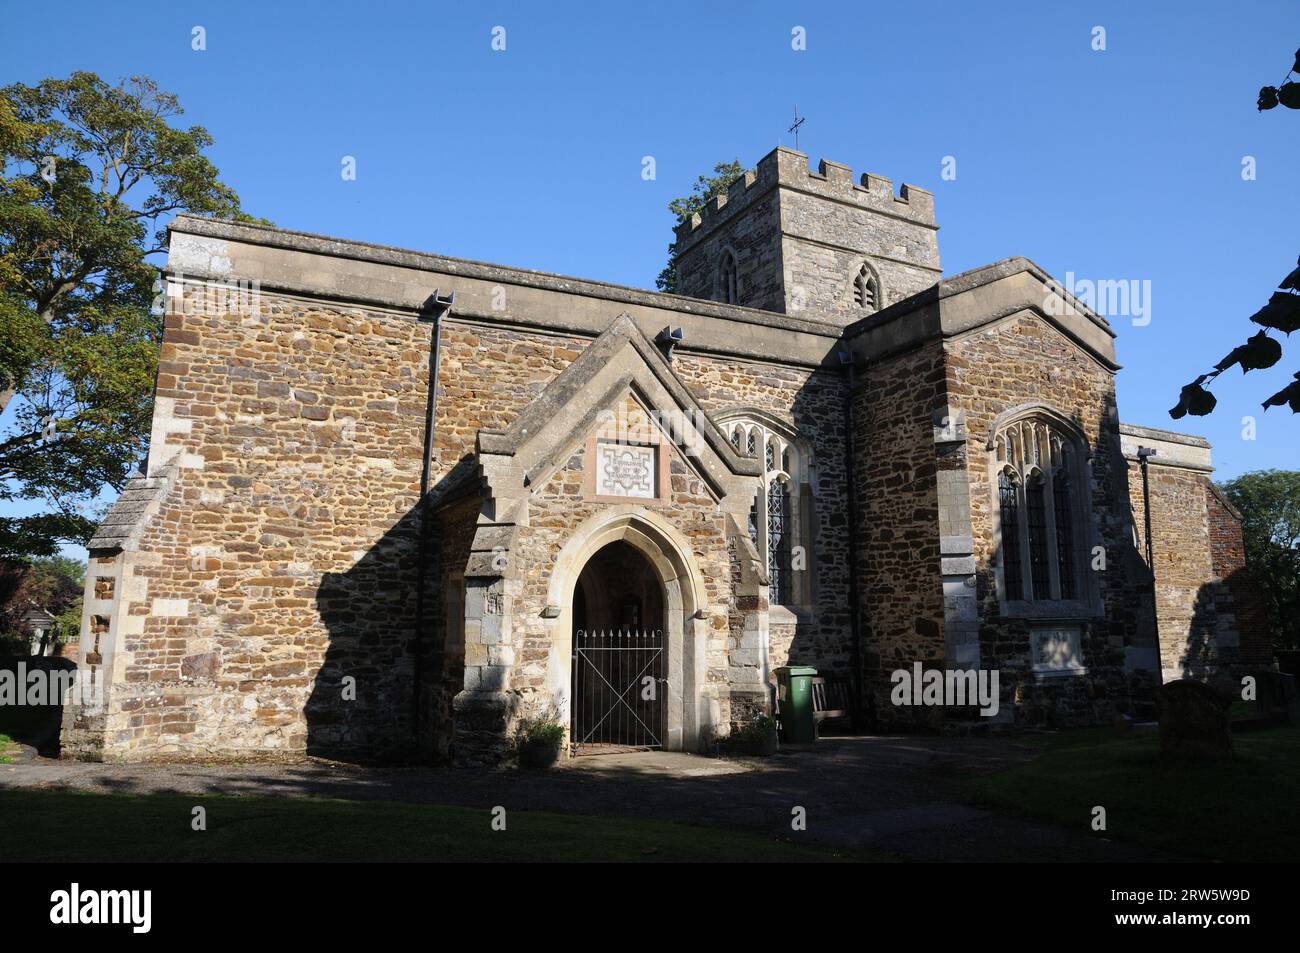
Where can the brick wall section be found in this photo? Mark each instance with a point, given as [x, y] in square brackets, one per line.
[898, 521]
[1186, 596]
[1228, 562]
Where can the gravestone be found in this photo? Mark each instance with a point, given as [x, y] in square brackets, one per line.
[1194, 721]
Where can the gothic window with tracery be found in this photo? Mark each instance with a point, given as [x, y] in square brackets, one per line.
[1040, 516]
[777, 521]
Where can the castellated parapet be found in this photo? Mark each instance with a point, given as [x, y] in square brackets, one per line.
[817, 244]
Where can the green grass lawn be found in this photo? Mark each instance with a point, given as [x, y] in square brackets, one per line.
[1244, 810]
[6, 743]
[66, 826]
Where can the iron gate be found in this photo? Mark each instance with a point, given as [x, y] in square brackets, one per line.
[618, 687]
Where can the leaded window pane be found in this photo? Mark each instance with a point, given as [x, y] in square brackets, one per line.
[1009, 505]
[1064, 532]
[778, 541]
[1036, 507]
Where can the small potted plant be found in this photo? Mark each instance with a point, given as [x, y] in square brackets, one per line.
[759, 737]
[538, 742]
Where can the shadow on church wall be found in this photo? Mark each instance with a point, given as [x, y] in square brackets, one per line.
[383, 691]
[1120, 648]
[821, 633]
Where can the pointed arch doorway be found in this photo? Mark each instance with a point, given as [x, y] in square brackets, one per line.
[619, 666]
[649, 582]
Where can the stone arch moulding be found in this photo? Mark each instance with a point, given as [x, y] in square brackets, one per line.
[689, 714]
[777, 426]
[1037, 409]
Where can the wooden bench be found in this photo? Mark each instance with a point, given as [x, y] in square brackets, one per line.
[832, 698]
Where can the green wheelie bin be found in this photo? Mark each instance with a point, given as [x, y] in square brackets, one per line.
[794, 700]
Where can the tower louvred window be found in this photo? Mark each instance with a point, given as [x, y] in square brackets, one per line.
[866, 289]
[728, 284]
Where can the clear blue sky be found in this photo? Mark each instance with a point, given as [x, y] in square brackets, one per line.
[1122, 164]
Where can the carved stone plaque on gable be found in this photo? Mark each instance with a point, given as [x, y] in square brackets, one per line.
[625, 470]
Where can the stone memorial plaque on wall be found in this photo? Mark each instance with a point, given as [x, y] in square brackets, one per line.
[625, 470]
[1057, 651]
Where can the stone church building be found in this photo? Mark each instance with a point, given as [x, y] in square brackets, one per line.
[395, 502]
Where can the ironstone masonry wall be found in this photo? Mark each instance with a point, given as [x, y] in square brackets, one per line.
[1013, 363]
[1205, 601]
[281, 558]
[557, 509]
[898, 523]
[283, 555]
[1240, 601]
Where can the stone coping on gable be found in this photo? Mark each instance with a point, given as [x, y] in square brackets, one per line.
[975, 298]
[1173, 449]
[317, 266]
[300, 263]
[128, 514]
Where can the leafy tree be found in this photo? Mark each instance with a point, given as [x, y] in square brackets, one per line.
[705, 188]
[1269, 501]
[1281, 313]
[90, 172]
[52, 584]
[71, 569]
[67, 624]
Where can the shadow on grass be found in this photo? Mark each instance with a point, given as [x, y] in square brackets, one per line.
[1243, 810]
[59, 826]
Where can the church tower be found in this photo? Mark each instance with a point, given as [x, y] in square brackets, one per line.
[810, 244]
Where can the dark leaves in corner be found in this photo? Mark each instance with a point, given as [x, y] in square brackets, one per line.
[1259, 351]
[1289, 395]
[1195, 400]
[1281, 313]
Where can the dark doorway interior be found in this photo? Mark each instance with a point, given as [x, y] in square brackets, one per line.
[619, 660]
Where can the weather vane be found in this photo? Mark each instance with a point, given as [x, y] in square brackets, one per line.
[795, 128]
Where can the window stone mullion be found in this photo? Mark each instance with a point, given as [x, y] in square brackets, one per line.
[1049, 513]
